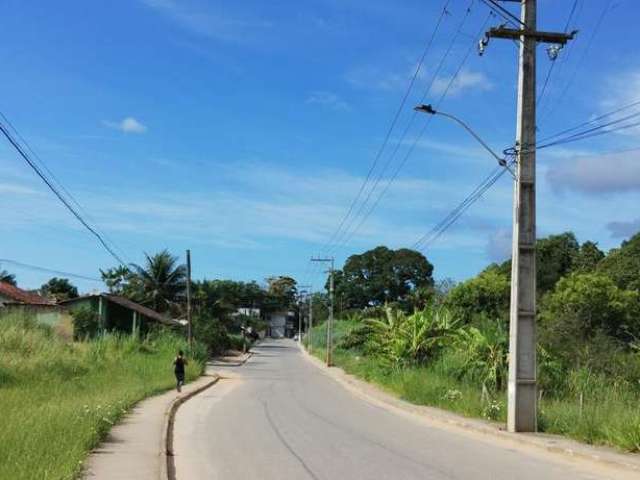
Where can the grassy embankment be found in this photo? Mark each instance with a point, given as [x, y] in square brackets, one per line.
[59, 399]
[596, 411]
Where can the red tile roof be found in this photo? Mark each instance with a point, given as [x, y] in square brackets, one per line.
[17, 295]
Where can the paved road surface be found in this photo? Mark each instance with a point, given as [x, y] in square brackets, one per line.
[280, 417]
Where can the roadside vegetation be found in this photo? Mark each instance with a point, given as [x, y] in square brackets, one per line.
[447, 345]
[59, 399]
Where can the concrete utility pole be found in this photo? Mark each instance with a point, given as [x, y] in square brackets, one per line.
[330, 320]
[522, 397]
[189, 327]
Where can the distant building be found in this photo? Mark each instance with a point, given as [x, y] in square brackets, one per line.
[119, 313]
[280, 324]
[14, 300]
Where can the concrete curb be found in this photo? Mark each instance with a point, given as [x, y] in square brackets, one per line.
[557, 445]
[167, 467]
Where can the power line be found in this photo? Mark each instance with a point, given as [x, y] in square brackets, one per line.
[49, 270]
[55, 178]
[592, 121]
[64, 201]
[346, 237]
[430, 237]
[582, 58]
[553, 59]
[392, 125]
[503, 12]
[417, 139]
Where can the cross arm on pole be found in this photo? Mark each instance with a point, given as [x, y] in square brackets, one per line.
[559, 38]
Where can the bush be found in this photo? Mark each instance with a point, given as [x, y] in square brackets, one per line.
[486, 295]
[86, 324]
[591, 311]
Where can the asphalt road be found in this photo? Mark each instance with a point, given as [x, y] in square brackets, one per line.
[280, 417]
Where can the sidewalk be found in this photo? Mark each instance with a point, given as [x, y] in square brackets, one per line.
[134, 448]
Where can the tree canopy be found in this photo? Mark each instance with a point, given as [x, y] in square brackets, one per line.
[622, 264]
[382, 275]
[59, 289]
[7, 277]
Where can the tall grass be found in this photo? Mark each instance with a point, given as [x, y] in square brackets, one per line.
[59, 399]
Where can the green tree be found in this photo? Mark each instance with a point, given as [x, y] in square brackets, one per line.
[622, 264]
[588, 257]
[7, 277]
[281, 293]
[585, 304]
[486, 295]
[161, 283]
[120, 281]
[555, 257]
[59, 289]
[382, 275]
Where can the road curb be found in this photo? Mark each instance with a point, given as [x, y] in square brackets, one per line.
[167, 467]
[555, 444]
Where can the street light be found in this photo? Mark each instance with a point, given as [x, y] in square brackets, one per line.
[431, 111]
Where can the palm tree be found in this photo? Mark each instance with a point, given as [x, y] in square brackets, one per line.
[161, 282]
[7, 277]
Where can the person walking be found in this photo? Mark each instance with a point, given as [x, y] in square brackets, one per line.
[179, 363]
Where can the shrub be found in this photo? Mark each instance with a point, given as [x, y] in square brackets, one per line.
[86, 324]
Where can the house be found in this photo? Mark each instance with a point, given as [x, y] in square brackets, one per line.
[280, 324]
[119, 313]
[14, 300]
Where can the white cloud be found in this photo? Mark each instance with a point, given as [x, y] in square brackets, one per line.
[597, 175]
[328, 100]
[16, 189]
[205, 23]
[466, 80]
[127, 125]
[620, 90]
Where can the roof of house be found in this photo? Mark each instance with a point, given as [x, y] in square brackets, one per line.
[131, 305]
[17, 295]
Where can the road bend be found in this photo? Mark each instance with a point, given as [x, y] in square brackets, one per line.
[280, 417]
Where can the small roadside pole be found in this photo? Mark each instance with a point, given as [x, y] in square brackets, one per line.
[300, 314]
[310, 327]
[189, 327]
[330, 320]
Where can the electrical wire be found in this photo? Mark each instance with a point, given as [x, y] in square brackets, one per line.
[417, 139]
[391, 126]
[347, 234]
[49, 270]
[55, 180]
[580, 61]
[55, 191]
[554, 60]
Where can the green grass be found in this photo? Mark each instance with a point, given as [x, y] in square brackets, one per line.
[608, 413]
[59, 399]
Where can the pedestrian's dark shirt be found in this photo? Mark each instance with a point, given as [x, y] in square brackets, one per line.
[179, 363]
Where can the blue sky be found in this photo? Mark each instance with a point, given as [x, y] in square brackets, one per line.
[243, 130]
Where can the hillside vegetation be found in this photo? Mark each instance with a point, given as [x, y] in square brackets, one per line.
[59, 399]
[447, 346]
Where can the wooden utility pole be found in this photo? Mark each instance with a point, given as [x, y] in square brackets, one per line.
[522, 397]
[189, 326]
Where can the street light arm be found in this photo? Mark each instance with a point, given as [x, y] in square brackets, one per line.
[475, 135]
[429, 109]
